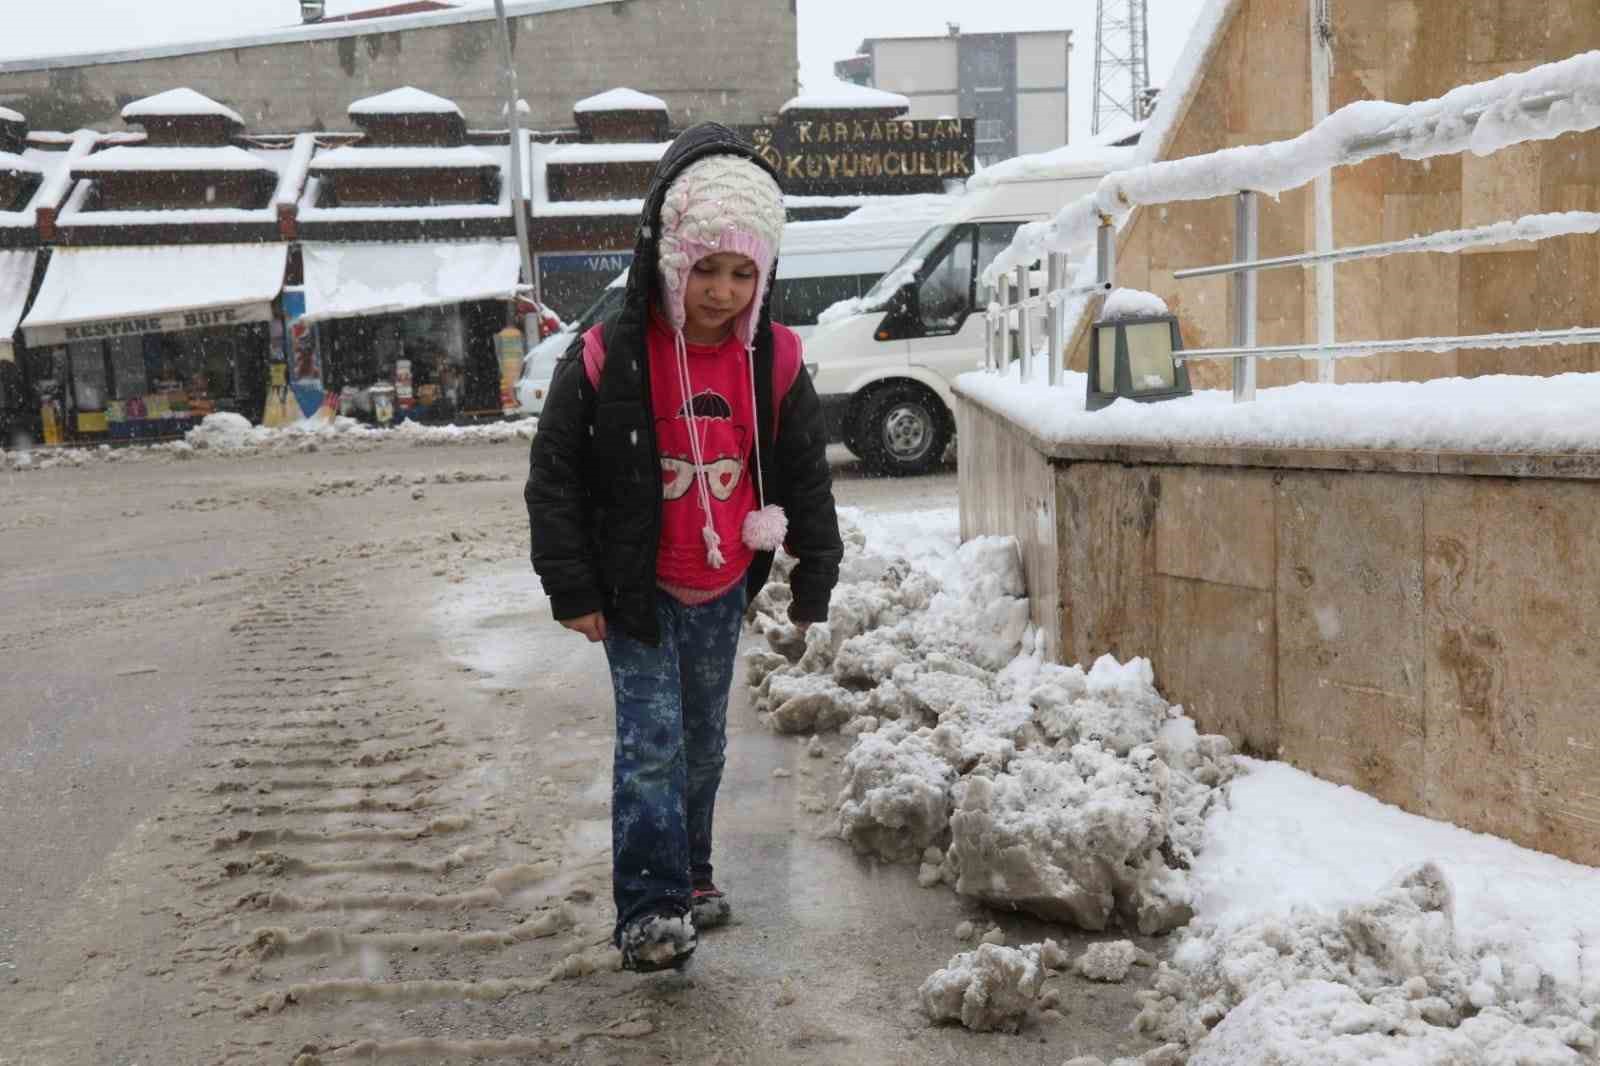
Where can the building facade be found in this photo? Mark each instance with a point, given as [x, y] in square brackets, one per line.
[185, 266]
[744, 65]
[1013, 84]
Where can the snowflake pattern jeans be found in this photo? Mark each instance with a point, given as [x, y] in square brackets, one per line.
[672, 732]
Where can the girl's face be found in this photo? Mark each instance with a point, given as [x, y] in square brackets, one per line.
[720, 287]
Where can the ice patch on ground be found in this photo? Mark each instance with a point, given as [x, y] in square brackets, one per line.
[1076, 795]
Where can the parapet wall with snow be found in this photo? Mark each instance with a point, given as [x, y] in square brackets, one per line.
[1395, 586]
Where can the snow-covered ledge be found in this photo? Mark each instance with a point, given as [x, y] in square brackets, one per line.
[1394, 586]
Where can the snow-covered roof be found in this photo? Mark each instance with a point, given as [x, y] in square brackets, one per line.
[568, 154]
[175, 103]
[309, 213]
[1068, 161]
[8, 115]
[14, 163]
[259, 28]
[128, 159]
[843, 96]
[620, 100]
[404, 101]
[57, 170]
[403, 158]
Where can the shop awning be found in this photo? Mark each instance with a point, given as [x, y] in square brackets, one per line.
[16, 278]
[93, 293]
[348, 280]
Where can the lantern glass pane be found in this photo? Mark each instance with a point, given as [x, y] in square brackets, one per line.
[1108, 360]
[1150, 356]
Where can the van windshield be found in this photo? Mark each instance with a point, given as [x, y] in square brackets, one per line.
[600, 308]
[906, 269]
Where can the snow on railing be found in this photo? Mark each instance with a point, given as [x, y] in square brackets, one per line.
[1539, 104]
[1483, 118]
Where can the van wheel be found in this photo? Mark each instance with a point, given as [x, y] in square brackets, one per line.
[903, 430]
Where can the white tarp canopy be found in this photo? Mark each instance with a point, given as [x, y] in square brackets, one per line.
[90, 293]
[347, 280]
[16, 278]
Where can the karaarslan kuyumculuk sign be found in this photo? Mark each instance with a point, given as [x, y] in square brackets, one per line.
[868, 157]
[166, 322]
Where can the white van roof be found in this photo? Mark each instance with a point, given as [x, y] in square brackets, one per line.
[869, 240]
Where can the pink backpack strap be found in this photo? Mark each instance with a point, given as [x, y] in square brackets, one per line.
[594, 355]
[788, 363]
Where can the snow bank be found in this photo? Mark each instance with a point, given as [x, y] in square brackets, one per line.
[1381, 981]
[1074, 795]
[1497, 413]
[232, 436]
[991, 988]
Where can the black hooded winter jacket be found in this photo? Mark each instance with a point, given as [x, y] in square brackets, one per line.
[594, 478]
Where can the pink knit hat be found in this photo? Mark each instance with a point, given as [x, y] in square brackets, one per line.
[723, 203]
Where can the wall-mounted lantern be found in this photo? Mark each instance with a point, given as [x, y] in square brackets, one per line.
[1133, 358]
[312, 10]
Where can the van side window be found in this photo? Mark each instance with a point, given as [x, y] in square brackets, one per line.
[798, 301]
[944, 298]
[994, 238]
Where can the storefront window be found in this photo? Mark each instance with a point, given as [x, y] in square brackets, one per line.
[128, 374]
[88, 375]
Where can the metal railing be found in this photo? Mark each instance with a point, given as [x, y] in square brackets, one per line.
[1424, 130]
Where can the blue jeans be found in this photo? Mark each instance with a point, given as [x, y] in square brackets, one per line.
[672, 733]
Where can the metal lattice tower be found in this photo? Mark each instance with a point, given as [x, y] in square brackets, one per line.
[1121, 61]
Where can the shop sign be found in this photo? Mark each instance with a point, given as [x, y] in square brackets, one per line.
[868, 156]
[171, 322]
[608, 263]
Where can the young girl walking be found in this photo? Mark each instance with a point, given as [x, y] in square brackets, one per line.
[680, 445]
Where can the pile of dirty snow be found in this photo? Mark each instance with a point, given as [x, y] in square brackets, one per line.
[232, 435]
[1075, 795]
[1387, 980]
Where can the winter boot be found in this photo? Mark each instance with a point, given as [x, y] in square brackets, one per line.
[658, 940]
[709, 906]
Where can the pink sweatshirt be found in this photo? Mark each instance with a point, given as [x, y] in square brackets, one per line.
[719, 393]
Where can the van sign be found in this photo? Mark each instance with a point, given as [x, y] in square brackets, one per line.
[877, 157]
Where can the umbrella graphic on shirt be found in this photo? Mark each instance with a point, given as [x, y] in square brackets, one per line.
[708, 404]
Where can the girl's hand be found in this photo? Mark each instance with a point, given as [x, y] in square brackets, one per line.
[592, 626]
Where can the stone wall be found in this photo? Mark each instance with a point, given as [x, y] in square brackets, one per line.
[1423, 627]
[735, 61]
[1256, 88]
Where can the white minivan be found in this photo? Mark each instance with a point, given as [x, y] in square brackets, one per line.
[884, 364]
[820, 264]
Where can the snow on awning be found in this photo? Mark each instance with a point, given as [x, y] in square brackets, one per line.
[90, 293]
[16, 278]
[348, 280]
